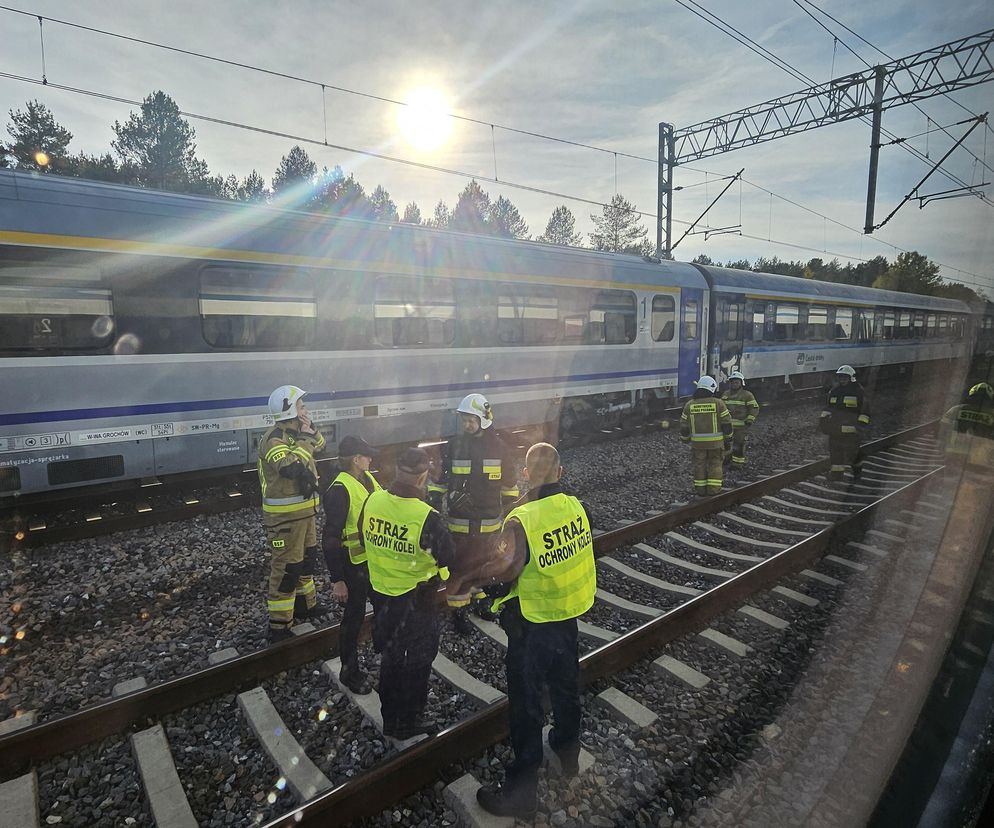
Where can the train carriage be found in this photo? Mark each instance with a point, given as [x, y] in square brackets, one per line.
[143, 331]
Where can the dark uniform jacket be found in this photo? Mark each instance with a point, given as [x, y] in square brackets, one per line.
[336, 503]
[481, 466]
[846, 410]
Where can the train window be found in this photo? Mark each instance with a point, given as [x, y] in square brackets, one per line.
[918, 325]
[843, 323]
[729, 322]
[527, 315]
[51, 317]
[903, 325]
[787, 319]
[611, 318]
[663, 318]
[886, 321]
[414, 313]
[865, 325]
[246, 308]
[817, 323]
[956, 326]
[690, 319]
[758, 322]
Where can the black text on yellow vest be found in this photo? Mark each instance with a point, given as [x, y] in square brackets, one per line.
[391, 530]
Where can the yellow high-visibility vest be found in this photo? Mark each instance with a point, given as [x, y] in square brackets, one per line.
[391, 531]
[560, 578]
[357, 496]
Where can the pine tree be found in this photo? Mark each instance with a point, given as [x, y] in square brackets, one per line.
[561, 228]
[441, 217]
[704, 259]
[472, 208]
[382, 205]
[911, 273]
[503, 219]
[619, 229]
[253, 188]
[295, 169]
[93, 167]
[34, 130]
[156, 147]
[412, 214]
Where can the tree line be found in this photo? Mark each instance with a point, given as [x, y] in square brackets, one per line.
[156, 148]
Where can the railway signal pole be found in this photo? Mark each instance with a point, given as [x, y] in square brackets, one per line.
[956, 65]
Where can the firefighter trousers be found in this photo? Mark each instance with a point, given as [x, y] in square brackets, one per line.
[843, 453]
[293, 549]
[707, 460]
[540, 655]
[739, 436]
[357, 582]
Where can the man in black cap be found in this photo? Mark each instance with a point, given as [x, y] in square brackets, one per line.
[346, 559]
[406, 543]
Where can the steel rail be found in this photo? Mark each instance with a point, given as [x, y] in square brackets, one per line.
[39, 742]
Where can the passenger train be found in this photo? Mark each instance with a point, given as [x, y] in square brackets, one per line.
[141, 332]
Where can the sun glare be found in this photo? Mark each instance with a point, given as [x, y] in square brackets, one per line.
[424, 122]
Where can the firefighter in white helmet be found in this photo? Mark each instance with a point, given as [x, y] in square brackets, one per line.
[743, 407]
[289, 481]
[706, 424]
[478, 482]
[845, 415]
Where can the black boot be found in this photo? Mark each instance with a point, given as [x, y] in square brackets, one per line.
[509, 801]
[277, 634]
[408, 730]
[460, 621]
[356, 679]
[301, 612]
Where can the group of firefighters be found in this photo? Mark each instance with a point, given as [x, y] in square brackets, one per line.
[530, 557]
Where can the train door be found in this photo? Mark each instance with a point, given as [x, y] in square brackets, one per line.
[727, 337]
[692, 340]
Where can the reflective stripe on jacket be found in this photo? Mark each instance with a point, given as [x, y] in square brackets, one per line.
[742, 406]
[391, 534]
[278, 448]
[357, 496]
[560, 579]
[706, 420]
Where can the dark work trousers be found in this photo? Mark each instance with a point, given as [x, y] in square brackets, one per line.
[357, 583]
[843, 451]
[467, 544]
[537, 655]
[405, 631]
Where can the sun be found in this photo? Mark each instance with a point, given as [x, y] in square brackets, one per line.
[424, 122]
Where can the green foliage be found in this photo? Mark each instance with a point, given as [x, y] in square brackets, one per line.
[412, 214]
[33, 130]
[294, 171]
[157, 150]
[441, 217]
[561, 228]
[382, 206]
[471, 211]
[619, 229]
[503, 219]
[911, 273]
[253, 189]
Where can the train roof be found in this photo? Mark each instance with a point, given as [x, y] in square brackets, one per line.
[55, 211]
[771, 285]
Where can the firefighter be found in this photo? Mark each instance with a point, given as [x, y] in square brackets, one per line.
[346, 559]
[743, 407]
[707, 425]
[846, 414]
[967, 430]
[545, 551]
[406, 544]
[289, 481]
[478, 483]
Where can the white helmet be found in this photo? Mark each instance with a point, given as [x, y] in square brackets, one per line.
[848, 370]
[477, 404]
[283, 402]
[707, 383]
[737, 375]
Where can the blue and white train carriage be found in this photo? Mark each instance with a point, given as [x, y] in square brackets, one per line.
[141, 332]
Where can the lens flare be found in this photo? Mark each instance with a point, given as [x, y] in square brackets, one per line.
[424, 122]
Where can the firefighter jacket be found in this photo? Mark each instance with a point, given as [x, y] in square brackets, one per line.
[287, 472]
[342, 502]
[479, 476]
[559, 578]
[742, 406]
[706, 421]
[405, 541]
[846, 410]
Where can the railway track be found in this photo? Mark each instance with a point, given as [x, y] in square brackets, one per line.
[686, 568]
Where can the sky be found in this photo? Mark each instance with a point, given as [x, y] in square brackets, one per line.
[597, 73]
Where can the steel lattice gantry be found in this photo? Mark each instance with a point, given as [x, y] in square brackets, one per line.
[956, 65]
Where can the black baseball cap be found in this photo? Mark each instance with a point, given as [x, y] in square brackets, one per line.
[351, 446]
[413, 461]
